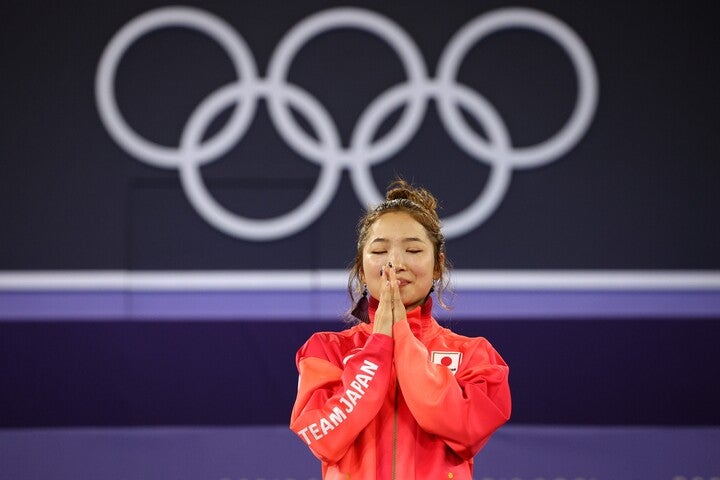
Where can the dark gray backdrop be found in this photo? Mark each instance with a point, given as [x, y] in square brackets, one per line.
[637, 192]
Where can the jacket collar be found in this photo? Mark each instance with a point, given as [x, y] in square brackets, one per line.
[422, 324]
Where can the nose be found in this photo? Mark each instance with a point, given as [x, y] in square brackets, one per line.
[397, 261]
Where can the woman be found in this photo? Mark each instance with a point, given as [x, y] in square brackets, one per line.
[397, 396]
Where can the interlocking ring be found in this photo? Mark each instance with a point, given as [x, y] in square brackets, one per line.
[364, 150]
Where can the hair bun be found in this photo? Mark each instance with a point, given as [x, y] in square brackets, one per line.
[400, 189]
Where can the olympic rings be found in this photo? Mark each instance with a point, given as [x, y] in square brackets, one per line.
[364, 150]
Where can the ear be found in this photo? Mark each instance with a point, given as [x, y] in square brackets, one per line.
[361, 275]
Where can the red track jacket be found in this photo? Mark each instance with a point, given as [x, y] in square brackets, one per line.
[418, 405]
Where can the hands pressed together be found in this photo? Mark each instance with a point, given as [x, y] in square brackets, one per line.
[390, 308]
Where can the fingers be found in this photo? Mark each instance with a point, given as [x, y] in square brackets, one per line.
[390, 308]
[391, 289]
[395, 288]
[387, 293]
[384, 312]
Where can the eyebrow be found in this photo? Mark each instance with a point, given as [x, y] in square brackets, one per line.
[405, 240]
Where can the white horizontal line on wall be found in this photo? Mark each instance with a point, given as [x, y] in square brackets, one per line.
[310, 280]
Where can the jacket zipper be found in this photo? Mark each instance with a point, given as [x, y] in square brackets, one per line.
[395, 432]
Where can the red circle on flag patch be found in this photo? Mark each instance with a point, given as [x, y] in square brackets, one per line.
[447, 361]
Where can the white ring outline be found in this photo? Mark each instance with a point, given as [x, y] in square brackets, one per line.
[336, 18]
[229, 222]
[497, 151]
[579, 121]
[189, 17]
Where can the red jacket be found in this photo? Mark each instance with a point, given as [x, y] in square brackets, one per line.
[417, 405]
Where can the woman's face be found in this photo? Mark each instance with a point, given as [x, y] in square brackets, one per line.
[398, 238]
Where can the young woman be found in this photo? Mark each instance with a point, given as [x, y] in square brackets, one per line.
[397, 396]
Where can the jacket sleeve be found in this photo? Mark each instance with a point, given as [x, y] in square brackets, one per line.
[462, 409]
[336, 401]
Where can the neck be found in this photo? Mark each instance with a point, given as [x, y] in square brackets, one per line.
[420, 311]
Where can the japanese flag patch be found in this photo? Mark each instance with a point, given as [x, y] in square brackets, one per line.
[450, 359]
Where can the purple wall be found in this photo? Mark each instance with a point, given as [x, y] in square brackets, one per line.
[254, 453]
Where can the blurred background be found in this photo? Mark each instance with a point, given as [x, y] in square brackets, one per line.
[180, 189]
